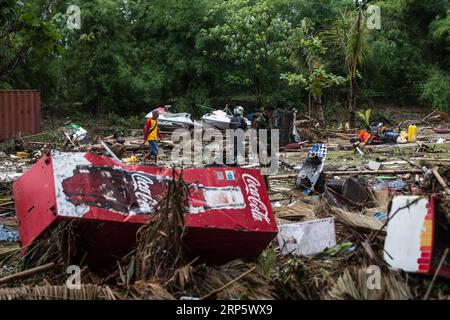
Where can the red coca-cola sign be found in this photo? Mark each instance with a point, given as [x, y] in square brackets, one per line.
[227, 206]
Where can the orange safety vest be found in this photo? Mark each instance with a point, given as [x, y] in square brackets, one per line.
[153, 131]
[364, 136]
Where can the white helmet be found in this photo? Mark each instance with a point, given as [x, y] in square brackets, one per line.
[238, 111]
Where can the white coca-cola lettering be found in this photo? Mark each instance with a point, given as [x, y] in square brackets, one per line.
[142, 191]
[258, 208]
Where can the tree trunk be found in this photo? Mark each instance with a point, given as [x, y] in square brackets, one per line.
[352, 104]
[258, 92]
[318, 110]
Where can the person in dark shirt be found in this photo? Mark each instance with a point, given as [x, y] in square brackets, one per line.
[237, 122]
[263, 122]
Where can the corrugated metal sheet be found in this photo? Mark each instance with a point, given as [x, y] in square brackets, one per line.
[20, 112]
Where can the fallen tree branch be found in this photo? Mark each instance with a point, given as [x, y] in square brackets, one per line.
[444, 256]
[112, 154]
[440, 180]
[349, 173]
[370, 172]
[27, 273]
[229, 283]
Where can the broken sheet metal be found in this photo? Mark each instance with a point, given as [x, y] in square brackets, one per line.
[417, 235]
[229, 214]
[307, 238]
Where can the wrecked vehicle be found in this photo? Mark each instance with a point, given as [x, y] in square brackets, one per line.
[220, 120]
[172, 121]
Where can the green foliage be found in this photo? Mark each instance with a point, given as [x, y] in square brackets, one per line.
[251, 36]
[440, 30]
[132, 122]
[306, 54]
[436, 90]
[130, 56]
[7, 11]
[316, 82]
[25, 26]
[365, 116]
[350, 36]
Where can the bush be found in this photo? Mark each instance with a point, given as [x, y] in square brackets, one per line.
[133, 122]
[436, 90]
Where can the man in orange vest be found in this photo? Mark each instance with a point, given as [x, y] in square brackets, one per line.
[151, 134]
[363, 138]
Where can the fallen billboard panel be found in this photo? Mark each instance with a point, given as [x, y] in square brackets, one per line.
[229, 214]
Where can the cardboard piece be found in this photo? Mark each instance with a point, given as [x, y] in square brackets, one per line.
[307, 238]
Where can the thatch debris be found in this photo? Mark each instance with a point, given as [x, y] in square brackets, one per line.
[160, 248]
[85, 292]
[355, 284]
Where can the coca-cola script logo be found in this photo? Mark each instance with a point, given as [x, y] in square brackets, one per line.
[141, 184]
[258, 208]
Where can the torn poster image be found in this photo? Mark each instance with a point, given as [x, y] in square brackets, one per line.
[83, 182]
[307, 238]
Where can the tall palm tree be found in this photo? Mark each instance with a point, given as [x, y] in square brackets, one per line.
[351, 36]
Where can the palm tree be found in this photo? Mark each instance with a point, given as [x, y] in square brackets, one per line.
[351, 36]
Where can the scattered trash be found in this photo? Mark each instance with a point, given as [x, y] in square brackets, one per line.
[354, 190]
[381, 216]
[412, 133]
[307, 238]
[396, 185]
[373, 165]
[441, 130]
[8, 234]
[109, 213]
[310, 177]
[22, 155]
[77, 132]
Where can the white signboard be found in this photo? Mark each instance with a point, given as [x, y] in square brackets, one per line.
[408, 244]
[307, 238]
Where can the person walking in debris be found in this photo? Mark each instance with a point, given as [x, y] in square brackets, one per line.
[151, 134]
[263, 122]
[237, 122]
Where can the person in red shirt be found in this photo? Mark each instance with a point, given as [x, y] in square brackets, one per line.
[151, 134]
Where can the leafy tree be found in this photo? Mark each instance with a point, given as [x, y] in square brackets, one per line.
[131, 55]
[22, 29]
[307, 54]
[250, 36]
[440, 35]
[436, 90]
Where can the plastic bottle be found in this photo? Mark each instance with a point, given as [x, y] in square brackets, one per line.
[412, 133]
